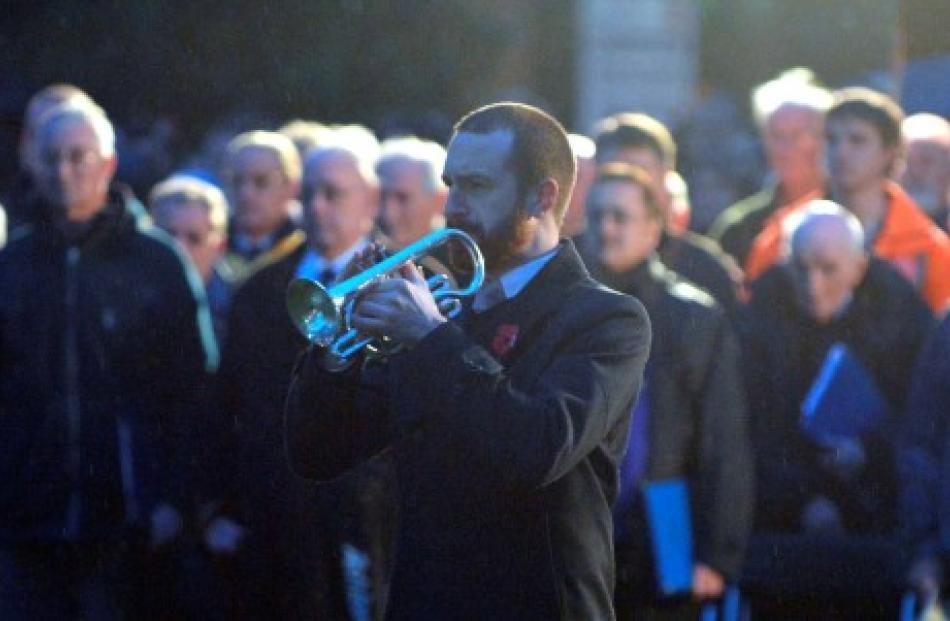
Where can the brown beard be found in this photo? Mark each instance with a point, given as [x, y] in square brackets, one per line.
[498, 251]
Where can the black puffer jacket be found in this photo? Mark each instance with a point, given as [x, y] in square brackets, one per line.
[104, 346]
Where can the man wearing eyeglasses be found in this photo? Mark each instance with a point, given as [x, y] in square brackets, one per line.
[102, 359]
[690, 423]
[262, 173]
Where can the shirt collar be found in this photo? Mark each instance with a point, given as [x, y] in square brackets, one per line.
[313, 264]
[511, 283]
[515, 280]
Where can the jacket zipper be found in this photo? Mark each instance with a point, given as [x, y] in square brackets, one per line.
[73, 413]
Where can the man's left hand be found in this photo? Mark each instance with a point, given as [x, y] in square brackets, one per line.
[707, 582]
[401, 309]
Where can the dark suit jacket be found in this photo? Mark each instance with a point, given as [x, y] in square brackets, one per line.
[698, 427]
[507, 428]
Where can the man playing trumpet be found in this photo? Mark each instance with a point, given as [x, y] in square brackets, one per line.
[507, 425]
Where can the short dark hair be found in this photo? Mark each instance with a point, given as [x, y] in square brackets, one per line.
[540, 149]
[634, 175]
[635, 130]
[872, 107]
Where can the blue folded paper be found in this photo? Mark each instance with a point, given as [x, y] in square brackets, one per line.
[844, 401]
[667, 509]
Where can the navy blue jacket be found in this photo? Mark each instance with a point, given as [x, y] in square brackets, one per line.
[102, 359]
[507, 429]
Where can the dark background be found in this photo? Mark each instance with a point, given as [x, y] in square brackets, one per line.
[407, 65]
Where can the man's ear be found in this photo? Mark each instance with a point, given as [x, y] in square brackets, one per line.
[545, 197]
[112, 163]
[439, 199]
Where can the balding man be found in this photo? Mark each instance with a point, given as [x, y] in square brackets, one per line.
[102, 365]
[412, 195]
[834, 500]
[926, 175]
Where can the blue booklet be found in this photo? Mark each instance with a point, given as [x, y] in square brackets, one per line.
[844, 401]
[667, 509]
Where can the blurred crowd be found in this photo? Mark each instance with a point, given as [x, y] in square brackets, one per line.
[146, 352]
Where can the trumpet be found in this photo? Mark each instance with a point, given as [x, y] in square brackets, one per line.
[323, 314]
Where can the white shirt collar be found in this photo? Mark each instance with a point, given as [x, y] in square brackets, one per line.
[313, 264]
[512, 282]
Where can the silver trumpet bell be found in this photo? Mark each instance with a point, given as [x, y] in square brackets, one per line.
[322, 314]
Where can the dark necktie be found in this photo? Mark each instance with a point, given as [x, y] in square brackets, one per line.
[326, 277]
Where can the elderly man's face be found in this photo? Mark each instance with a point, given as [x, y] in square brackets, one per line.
[827, 269]
[408, 206]
[484, 197]
[794, 142]
[927, 175]
[73, 174]
[189, 223]
[260, 191]
[339, 203]
[625, 230]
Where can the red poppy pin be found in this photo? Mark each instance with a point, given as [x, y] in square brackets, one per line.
[505, 337]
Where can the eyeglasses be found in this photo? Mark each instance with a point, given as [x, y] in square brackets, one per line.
[76, 158]
[258, 180]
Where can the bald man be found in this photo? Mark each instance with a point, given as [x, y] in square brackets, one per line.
[926, 174]
[824, 497]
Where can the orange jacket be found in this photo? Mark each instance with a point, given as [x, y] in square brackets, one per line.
[909, 240]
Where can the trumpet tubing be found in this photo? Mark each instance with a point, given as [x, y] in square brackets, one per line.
[322, 314]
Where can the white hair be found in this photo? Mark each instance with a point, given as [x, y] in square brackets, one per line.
[582, 146]
[278, 144]
[356, 141]
[427, 154]
[185, 188]
[85, 112]
[928, 127]
[817, 212]
[796, 87]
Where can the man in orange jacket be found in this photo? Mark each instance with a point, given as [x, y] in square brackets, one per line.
[863, 142]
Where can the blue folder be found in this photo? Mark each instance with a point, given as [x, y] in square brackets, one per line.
[667, 509]
[844, 401]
